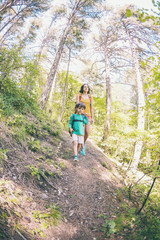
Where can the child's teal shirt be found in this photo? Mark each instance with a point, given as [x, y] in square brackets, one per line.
[77, 126]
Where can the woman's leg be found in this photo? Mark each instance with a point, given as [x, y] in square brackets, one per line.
[79, 147]
[87, 131]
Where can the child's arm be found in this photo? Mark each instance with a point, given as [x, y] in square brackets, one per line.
[70, 124]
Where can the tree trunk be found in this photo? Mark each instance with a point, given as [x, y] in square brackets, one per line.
[45, 95]
[141, 112]
[108, 100]
[51, 96]
[141, 102]
[65, 88]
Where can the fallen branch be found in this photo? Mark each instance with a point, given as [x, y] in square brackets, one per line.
[50, 184]
[145, 200]
[20, 235]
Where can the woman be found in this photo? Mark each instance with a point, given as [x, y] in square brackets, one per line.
[85, 97]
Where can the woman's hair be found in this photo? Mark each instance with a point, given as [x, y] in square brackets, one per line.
[81, 90]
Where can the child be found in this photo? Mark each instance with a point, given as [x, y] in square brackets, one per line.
[76, 128]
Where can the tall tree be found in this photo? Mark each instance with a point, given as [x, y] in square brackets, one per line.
[140, 43]
[74, 42]
[110, 46]
[80, 9]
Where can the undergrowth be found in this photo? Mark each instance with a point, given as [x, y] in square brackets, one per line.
[128, 223]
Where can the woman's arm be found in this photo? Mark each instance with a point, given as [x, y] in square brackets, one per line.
[77, 99]
[85, 120]
[92, 116]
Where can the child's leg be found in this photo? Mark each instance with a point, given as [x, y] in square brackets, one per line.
[75, 146]
[82, 145]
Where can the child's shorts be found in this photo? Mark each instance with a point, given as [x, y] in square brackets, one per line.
[78, 138]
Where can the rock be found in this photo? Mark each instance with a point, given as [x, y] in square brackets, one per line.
[44, 196]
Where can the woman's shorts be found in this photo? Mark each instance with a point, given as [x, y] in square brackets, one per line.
[78, 138]
[89, 119]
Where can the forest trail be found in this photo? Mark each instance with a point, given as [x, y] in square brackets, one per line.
[87, 190]
[82, 192]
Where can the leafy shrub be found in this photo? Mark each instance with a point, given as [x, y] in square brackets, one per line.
[34, 145]
[14, 93]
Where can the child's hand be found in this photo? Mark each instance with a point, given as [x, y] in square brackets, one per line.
[70, 130]
[85, 114]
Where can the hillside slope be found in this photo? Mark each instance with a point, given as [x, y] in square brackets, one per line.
[44, 195]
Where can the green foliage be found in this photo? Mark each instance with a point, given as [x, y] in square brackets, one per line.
[53, 128]
[144, 14]
[128, 13]
[72, 90]
[33, 129]
[99, 110]
[108, 227]
[3, 155]
[131, 226]
[34, 145]
[54, 214]
[120, 142]
[34, 171]
[62, 165]
[48, 218]
[14, 94]
[49, 173]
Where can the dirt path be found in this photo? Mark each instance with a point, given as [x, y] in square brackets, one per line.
[86, 191]
[83, 192]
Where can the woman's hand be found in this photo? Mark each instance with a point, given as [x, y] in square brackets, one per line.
[92, 120]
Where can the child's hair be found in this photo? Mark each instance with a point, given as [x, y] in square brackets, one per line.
[83, 105]
[79, 105]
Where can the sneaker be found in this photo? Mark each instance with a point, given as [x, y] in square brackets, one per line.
[83, 150]
[75, 158]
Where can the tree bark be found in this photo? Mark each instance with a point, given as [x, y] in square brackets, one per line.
[141, 112]
[65, 88]
[108, 99]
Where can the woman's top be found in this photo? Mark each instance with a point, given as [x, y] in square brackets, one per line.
[77, 122]
[87, 102]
